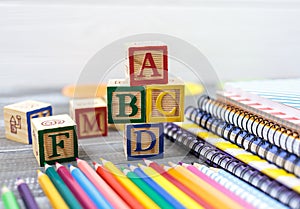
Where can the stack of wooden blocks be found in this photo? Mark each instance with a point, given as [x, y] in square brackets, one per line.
[144, 102]
[53, 138]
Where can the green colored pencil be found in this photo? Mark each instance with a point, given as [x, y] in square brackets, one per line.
[62, 188]
[9, 199]
[159, 200]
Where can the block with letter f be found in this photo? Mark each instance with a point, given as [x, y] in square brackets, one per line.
[143, 141]
[54, 139]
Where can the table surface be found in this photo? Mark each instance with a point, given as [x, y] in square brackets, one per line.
[17, 160]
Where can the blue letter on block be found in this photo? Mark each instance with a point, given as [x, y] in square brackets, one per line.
[144, 140]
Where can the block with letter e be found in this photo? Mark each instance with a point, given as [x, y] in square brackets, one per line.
[148, 64]
[54, 139]
[165, 103]
[90, 116]
[143, 141]
[17, 119]
[126, 104]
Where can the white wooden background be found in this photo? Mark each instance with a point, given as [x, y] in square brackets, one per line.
[48, 43]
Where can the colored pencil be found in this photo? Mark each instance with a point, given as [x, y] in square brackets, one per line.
[175, 203]
[26, 195]
[252, 195]
[98, 199]
[118, 187]
[114, 199]
[75, 188]
[50, 191]
[60, 185]
[212, 195]
[187, 201]
[199, 199]
[217, 186]
[159, 200]
[131, 187]
[8, 198]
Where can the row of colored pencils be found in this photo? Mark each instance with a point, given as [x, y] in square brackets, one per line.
[145, 186]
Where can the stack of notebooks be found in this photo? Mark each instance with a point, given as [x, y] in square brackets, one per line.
[252, 131]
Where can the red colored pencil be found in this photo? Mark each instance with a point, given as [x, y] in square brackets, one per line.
[113, 183]
[75, 188]
[174, 181]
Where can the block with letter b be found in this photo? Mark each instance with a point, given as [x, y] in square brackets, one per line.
[54, 139]
[126, 104]
[143, 141]
[148, 64]
[165, 103]
[17, 119]
[90, 116]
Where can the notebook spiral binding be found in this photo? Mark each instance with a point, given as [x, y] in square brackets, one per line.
[264, 149]
[278, 135]
[199, 147]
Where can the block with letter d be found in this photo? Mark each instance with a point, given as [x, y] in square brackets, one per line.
[143, 141]
[54, 139]
[17, 119]
[165, 103]
[126, 104]
[148, 64]
[90, 116]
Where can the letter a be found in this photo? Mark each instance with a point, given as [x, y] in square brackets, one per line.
[148, 57]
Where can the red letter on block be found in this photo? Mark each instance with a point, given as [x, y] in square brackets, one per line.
[148, 65]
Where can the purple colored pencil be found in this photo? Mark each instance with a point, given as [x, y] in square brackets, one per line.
[26, 195]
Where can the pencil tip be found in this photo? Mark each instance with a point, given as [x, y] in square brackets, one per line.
[147, 162]
[94, 163]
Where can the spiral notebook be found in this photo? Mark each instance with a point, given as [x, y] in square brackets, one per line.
[202, 148]
[276, 100]
[247, 141]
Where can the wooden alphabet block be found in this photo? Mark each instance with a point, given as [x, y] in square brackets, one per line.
[165, 103]
[143, 141]
[54, 139]
[126, 104]
[148, 65]
[90, 116]
[17, 119]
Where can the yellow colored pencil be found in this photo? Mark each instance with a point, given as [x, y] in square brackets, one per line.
[129, 185]
[183, 198]
[50, 191]
[213, 196]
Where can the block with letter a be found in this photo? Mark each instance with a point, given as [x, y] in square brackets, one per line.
[125, 104]
[165, 103]
[17, 119]
[143, 141]
[148, 64]
[54, 139]
[90, 116]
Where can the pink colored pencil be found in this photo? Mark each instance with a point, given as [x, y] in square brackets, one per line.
[218, 186]
[113, 198]
[75, 188]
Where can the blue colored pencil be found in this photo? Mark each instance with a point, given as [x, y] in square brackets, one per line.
[170, 199]
[89, 188]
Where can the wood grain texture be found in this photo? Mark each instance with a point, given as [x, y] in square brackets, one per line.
[17, 119]
[54, 139]
[143, 140]
[148, 65]
[165, 103]
[90, 116]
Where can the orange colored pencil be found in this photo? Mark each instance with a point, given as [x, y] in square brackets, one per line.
[130, 186]
[119, 189]
[214, 197]
[113, 198]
